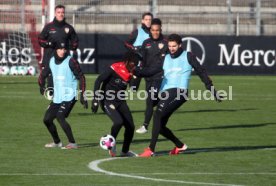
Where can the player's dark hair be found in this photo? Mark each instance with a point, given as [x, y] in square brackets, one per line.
[130, 56]
[175, 37]
[156, 21]
[147, 14]
[60, 6]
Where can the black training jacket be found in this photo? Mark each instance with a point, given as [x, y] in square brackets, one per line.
[153, 52]
[56, 31]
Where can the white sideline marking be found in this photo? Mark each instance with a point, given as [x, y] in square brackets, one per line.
[93, 165]
[212, 173]
[140, 173]
[50, 174]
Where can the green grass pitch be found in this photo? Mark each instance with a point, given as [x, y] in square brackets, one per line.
[233, 142]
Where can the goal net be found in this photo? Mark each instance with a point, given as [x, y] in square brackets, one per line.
[19, 48]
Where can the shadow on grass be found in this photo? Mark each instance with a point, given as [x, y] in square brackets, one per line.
[220, 149]
[230, 126]
[204, 110]
[177, 112]
[18, 82]
[90, 114]
[88, 145]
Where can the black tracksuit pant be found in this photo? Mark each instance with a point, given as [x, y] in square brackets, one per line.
[164, 110]
[119, 113]
[60, 112]
[152, 99]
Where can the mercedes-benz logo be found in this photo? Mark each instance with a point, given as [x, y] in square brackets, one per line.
[191, 40]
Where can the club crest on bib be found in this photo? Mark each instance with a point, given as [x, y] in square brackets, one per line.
[66, 30]
[160, 45]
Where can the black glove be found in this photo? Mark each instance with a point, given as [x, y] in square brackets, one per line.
[212, 89]
[95, 105]
[218, 97]
[83, 101]
[42, 90]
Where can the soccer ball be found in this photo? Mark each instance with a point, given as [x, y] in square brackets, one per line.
[48, 94]
[13, 70]
[107, 142]
[4, 70]
[22, 70]
[31, 70]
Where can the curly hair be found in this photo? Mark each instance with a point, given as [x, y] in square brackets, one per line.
[130, 56]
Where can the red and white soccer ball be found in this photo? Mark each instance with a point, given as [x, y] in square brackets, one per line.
[31, 70]
[4, 70]
[107, 142]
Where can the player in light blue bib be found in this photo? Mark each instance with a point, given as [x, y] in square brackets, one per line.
[66, 72]
[177, 68]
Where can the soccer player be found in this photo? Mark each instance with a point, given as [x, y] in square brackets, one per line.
[135, 41]
[153, 51]
[177, 67]
[53, 32]
[113, 81]
[139, 35]
[66, 71]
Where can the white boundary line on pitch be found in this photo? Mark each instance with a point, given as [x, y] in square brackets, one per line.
[140, 173]
[93, 165]
[50, 174]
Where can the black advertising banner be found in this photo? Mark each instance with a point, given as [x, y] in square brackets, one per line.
[98, 51]
[234, 55]
[87, 52]
[244, 55]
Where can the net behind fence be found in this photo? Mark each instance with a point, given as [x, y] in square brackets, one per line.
[18, 35]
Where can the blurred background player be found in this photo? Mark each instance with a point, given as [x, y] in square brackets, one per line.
[65, 71]
[139, 35]
[56, 31]
[178, 65]
[115, 79]
[135, 41]
[153, 52]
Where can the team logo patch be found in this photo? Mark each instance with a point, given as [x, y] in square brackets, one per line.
[66, 30]
[148, 45]
[160, 45]
[112, 106]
